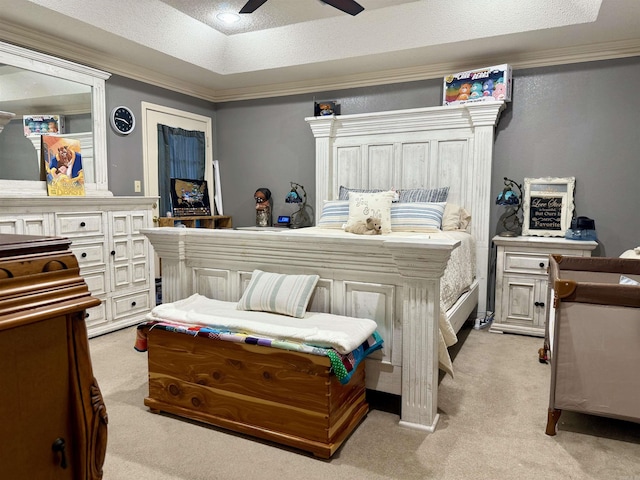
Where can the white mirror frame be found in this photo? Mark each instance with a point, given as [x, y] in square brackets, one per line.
[552, 197]
[57, 67]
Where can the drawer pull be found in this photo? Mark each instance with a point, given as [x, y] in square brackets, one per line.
[113, 253]
[83, 254]
[133, 304]
[539, 304]
[541, 265]
[58, 447]
[82, 224]
[86, 315]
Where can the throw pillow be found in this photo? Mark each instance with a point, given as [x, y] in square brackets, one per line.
[364, 205]
[278, 293]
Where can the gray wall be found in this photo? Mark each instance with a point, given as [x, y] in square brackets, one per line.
[125, 152]
[576, 120]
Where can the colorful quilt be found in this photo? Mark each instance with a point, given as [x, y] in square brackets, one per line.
[342, 365]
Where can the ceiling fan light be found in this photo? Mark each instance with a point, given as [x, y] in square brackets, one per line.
[228, 17]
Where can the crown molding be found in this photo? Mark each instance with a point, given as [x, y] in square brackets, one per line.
[71, 51]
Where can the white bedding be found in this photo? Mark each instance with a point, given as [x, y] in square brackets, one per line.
[340, 332]
[456, 279]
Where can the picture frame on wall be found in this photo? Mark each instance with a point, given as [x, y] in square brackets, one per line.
[548, 206]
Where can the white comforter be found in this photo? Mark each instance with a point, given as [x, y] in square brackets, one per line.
[456, 279]
[340, 332]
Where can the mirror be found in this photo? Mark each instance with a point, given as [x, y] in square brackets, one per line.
[46, 96]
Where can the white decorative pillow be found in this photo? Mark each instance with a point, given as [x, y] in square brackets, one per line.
[363, 205]
[335, 213]
[455, 217]
[278, 293]
[417, 216]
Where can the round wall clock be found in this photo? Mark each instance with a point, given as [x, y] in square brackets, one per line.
[122, 120]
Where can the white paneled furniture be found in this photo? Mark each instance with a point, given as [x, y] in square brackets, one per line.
[522, 280]
[393, 280]
[115, 259]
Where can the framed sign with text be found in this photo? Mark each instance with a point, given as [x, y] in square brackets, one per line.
[548, 206]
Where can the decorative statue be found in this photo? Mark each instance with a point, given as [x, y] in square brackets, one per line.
[263, 207]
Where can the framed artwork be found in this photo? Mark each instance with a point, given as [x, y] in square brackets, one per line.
[548, 206]
[62, 159]
[190, 197]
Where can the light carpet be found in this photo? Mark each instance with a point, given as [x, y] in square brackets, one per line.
[492, 421]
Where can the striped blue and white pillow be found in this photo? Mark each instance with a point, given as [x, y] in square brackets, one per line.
[278, 293]
[335, 214]
[343, 193]
[417, 216]
[424, 195]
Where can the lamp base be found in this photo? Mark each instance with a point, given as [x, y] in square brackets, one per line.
[507, 233]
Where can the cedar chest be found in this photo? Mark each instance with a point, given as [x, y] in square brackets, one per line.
[594, 334]
[287, 397]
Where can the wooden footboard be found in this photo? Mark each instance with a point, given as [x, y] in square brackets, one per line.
[287, 397]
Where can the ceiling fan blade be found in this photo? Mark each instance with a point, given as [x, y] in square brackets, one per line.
[347, 6]
[252, 5]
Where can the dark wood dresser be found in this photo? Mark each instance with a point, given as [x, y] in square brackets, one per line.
[53, 421]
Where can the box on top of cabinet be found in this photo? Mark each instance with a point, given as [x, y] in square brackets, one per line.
[486, 84]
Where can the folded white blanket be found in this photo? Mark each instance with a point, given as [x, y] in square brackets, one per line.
[342, 333]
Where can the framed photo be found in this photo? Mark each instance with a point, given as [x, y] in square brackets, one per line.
[190, 197]
[548, 206]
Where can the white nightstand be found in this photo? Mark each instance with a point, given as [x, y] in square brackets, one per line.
[521, 280]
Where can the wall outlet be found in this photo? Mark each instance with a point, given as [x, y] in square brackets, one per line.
[137, 186]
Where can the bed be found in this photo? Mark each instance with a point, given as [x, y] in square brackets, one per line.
[394, 279]
[594, 333]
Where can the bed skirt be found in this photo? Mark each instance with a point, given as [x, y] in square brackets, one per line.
[283, 396]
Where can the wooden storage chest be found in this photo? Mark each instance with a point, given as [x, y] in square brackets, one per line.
[283, 396]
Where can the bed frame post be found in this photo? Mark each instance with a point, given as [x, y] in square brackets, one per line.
[421, 268]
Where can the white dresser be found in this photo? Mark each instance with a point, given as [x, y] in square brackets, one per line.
[115, 259]
[522, 279]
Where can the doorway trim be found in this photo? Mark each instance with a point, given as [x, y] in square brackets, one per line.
[152, 114]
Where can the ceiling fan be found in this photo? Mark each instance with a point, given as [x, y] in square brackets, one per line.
[347, 6]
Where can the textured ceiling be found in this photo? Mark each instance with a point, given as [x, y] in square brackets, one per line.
[294, 46]
[273, 14]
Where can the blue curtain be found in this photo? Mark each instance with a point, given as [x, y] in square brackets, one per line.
[181, 154]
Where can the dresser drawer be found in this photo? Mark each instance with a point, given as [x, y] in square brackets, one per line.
[96, 316]
[531, 263]
[89, 254]
[96, 281]
[131, 304]
[79, 224]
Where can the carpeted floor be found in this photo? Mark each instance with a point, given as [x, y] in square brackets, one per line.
[492, 421]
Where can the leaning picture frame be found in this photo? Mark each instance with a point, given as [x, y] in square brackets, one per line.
[548, 206]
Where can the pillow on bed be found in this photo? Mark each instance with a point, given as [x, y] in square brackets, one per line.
[363, 205]
[335, 213]
[417, 216]
[455, 218]
[424, 195]
[278, 293]
[343, 193]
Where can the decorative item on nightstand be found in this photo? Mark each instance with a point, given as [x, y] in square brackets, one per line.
[582, 228]
[300, 218]
[263, 207]
[510, 199]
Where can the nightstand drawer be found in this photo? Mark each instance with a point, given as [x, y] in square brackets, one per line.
[532, 263]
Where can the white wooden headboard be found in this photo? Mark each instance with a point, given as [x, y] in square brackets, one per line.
[421, 147]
